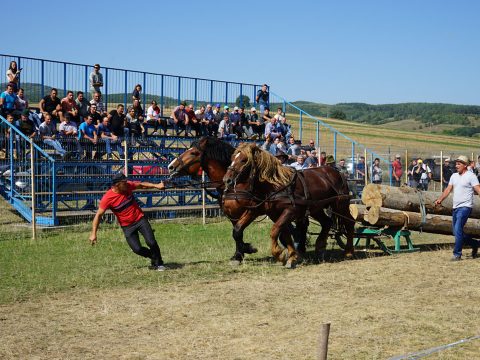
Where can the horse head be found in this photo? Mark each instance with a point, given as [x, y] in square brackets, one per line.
[189, 162]
[242, 166]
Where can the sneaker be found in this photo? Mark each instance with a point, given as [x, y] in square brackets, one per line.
[155, 133]
[456, 258]
[157, 267]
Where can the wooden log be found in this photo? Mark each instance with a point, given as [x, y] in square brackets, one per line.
[437, 224]
[409, 199]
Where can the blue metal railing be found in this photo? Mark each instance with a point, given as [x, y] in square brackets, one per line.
[40, 75]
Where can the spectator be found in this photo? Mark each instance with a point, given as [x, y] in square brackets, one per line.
[312, 160]
[105, 133]
[236, 122]
[118, 122]
[179, 119]
[96, 117]
[202, 122]
[255, 123]
[262, 98]
[136, 93]
[21, 103]
[48, 135]
[8, 101]
[330, 161]
[464, 184]
[96, 81]
[69, 105]
[270, 145]
[376, 172]
[323, 159]
[447, 172]
[284, 128]
[97, 101]
[5, 141]
[411, 180]
[266, 117]
[279, 115]
[211, 126]
[87, 135]
[27, 128]
[310, 147]
[191, 123]
[477, 166]
[226, 110]
[82, 105]
[136, 128]
[224, 128]
[397, 171]
[300, 163]
[154, 119]
[293, 149]
[69, 134]
[422, 174]
[50, 104]
[360, 168]
[13, 75]
[342, 168]
[271, 128]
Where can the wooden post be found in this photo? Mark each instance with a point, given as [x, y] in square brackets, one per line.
[204, 215]
[323, 341]
[32, 174]
[126, 157]
[406, 166]
[441, 170]
[366, 167]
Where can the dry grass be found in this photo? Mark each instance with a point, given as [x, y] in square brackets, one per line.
[379, 307]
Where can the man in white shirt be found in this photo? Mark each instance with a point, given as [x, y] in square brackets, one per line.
[463, 183]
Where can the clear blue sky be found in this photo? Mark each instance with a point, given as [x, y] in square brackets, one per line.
[325, 51]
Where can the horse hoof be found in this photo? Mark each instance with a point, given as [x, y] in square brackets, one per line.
[291, 264]
[235, 262]
[349, 256]
[283, 257]
[249, 249]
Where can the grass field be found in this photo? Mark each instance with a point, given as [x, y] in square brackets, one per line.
[61, 298]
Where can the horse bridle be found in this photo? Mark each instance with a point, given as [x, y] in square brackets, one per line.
[186, 167]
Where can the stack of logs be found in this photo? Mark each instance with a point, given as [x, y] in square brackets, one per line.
[402, 207]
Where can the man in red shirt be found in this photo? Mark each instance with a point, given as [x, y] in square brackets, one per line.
[131, 218]
[397, 171]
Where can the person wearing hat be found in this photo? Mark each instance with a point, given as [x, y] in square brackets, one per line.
[422, 174]
[463, 183]
[120, 200]
[254, 123]
[330, 160]
[96, 80]
[397, 171]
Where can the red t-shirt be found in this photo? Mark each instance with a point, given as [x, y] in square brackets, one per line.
[124, 206]
[397, 168]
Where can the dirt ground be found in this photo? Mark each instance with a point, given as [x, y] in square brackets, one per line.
[377, 307]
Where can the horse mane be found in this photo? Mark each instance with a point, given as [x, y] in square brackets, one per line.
[268, 168]
[213, 148]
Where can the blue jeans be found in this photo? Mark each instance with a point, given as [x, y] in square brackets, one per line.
[56, 145]
[460, 217]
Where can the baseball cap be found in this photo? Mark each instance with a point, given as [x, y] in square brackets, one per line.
[26, 112]
[447, 159]
[226, 107]
[253, 109]
[235, 108]
[218, 105]
[118, 178]
[397, 156]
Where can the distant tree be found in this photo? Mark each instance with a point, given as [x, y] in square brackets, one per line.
[243, 100]
[338, 114]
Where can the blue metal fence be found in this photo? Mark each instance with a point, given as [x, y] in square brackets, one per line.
[40, 75]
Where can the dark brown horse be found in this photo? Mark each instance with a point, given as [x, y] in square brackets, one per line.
[288, 195]
[214, 156]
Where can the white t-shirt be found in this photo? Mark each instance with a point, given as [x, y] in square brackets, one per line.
[151, 114]
[463, 189]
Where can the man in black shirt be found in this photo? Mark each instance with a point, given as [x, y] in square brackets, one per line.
[118, 122]
[51, 104]
[262, 98]
[447, 171]
[97, 118]
[27, 128]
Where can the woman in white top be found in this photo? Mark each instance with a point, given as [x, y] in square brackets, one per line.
[13, 75]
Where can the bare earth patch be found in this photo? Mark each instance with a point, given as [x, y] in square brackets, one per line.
[378, 307]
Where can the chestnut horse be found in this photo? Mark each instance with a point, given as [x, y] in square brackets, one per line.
[213, 156]
[288, 194]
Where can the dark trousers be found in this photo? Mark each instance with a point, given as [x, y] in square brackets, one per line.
[131, 234]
